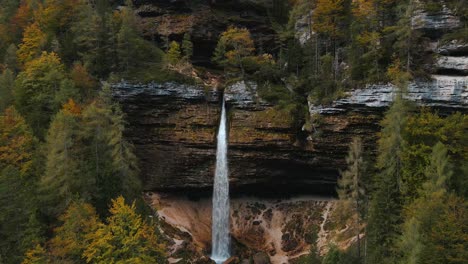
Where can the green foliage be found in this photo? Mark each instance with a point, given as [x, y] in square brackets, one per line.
[36, 88]
[234, 45]
[187, 47]
[17, 188]
[69, 241]
[422, 132]
[386, 205]
[88, 157]
[336, 256]
[174, 54]
[7, 79]
[351, 188]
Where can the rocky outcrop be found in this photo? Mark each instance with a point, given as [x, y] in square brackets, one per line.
[435, 24]
[444, 92]
[457, 65]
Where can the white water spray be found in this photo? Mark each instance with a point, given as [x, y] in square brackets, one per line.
[220, 228]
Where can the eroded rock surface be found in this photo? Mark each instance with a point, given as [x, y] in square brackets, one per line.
[269, 230]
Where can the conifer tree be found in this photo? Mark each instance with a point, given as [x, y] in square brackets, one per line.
[386, 205]
[350, 187]
[69, 242]
[187, 47]
[174, 54]
[126, 238]
[17, 187]
[62, 179]
[128, 45]
[423, 212]
[110, 160]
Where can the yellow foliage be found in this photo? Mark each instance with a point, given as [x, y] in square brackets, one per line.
[363, 9]
[33, 42]
[36, 255]
[39, 66]
[126, 238]
[78, 220]
[327, 15]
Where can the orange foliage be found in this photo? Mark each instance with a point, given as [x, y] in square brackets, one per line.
[16, 141]
[82, 79]
[363, 9]
[23, 17]
[72, 108]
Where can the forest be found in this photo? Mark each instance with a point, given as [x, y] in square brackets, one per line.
[71, 189]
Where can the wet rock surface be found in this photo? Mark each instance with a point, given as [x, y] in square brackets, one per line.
[263, 230]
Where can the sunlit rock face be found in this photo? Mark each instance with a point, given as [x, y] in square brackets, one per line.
[282, 229]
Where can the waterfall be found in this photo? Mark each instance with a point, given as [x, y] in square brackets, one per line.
[220, 228]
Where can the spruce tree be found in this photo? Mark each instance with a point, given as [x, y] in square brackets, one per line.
[187, 47]
[350, 187]
[424, 212]
[63, 178]
[386, 205]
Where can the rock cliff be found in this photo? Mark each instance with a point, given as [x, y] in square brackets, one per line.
[173, 127]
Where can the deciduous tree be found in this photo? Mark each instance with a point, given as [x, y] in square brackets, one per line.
[126, 238]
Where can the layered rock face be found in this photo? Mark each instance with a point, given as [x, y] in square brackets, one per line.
[173, 128]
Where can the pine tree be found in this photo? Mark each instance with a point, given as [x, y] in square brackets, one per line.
[128, 40]
[409, 42]
[386, 205]
[109, 157]
[350, 187]
[187, 47]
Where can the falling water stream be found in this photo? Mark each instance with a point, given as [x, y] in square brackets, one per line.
[220, 228]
